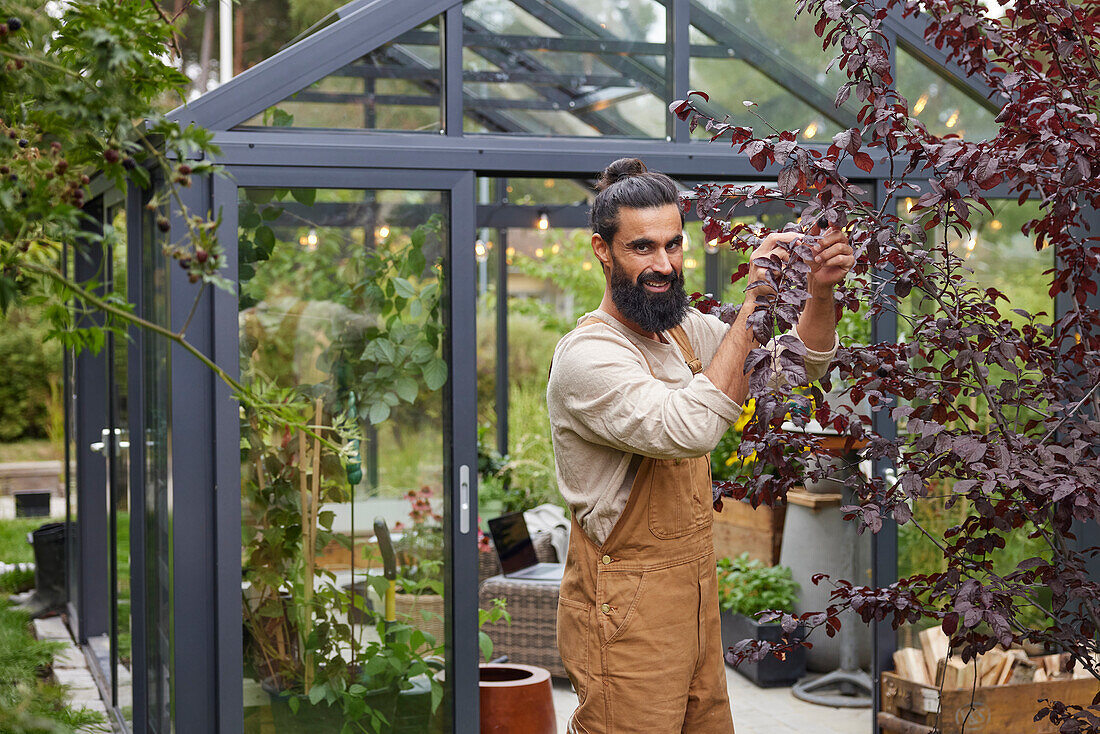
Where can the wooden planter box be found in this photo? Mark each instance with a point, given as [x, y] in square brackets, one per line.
[914, 708]
[738, 528]
[771, 671]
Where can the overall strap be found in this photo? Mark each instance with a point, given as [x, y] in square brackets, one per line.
[680, 337]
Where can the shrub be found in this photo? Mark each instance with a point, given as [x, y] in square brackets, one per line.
[31, 366]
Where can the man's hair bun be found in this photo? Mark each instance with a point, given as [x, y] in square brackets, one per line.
[617, 171]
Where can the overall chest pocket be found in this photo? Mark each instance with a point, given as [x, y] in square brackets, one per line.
[679, 496]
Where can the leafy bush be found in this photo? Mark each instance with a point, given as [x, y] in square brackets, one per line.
[31, 366]
[746, 586]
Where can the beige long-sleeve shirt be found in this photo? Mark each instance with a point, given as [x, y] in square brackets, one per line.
[615, 396]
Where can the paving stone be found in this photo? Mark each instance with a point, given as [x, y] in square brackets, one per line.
[75, 678]
[69, 657]
[51, 628]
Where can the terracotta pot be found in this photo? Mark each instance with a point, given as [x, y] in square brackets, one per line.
[516, 699]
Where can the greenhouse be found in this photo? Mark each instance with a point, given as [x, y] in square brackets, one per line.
[403, 202]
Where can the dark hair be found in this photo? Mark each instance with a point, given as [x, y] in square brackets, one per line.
[627, 182]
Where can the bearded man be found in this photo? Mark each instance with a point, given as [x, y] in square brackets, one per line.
[639, 394]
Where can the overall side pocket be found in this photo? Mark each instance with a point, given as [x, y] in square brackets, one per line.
[574, 631]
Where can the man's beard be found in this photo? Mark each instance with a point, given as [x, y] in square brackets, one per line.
[653, 312]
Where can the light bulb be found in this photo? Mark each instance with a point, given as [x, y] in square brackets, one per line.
[544, 221]
[810, 131]
[383, 232]
[711, 247]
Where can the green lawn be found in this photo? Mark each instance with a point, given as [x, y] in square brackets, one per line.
[37, 450]
[14, 547]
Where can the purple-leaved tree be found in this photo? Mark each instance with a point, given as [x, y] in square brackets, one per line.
[1005, 412]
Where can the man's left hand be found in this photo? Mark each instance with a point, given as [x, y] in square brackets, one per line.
[833, 259]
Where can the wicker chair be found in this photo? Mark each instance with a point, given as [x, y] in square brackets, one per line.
[531, 638]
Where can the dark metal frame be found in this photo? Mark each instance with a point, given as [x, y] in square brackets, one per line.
[205, 472]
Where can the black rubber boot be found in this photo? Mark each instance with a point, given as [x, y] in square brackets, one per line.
[49, 571]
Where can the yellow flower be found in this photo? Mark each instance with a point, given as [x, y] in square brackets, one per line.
[746, 415]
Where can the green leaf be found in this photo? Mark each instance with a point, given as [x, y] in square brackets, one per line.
[265, 238]
[417, 261]
[422, 353]
[379, 412]
[294, 703]
[404, 288]
[304, 196]
[406, 388]
[418, 237]
[486, 645]
[435, 374]
[271, 212]
[317, 693]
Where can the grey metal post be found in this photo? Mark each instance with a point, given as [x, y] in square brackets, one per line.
[89, 383]
[677, 63]
[135, 376]
[226, 488]
[460, 435]
[194, 599]
[502, 395]
[452, 71]
[884, 543]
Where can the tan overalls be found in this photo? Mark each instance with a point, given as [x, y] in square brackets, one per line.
[638, 625]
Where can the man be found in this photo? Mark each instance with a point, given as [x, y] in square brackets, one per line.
[638, 395]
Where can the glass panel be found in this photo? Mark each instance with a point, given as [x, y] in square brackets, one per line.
[395, 87]
[158, 516]
[565, 68]
[72, 557]
[340, 317]
[941, 106]
[755, 50]
[118, 485]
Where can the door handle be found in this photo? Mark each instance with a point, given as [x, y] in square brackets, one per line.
[464, 499]
[122, 441]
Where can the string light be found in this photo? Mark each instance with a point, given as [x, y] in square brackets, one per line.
[544, 221]
[711, 247]
[586, 265]
[555, 249]
[972, 243]
[953, 119]
[538, 252]
[995, 224]
[690, 263]
[920, 104]
[309, 241]
[811, 130]
[383, 232]
[480, 252]
[908, 205]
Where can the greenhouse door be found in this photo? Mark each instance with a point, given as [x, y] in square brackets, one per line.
[98, 552]
[355, 309]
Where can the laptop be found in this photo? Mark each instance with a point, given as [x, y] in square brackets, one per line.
[517, 552]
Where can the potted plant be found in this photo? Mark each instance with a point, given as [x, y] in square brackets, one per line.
[419, 549]
[747, 587]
